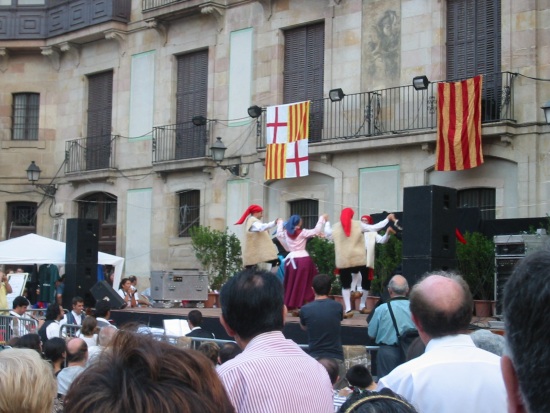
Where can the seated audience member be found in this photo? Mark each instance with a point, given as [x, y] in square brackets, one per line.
[55, 351]
[359, 380]
[31, 341]
[333, 368]
[385, 401]
[228, 351]
[210, 350]
[139, 374]
[104, 337]
[488, 341]
[102, 313]
[52, 326]
[77, 356]
[272, 374]
[194, 320]
[89, 330]
[26, 382]
[526, 360]
[452, 375]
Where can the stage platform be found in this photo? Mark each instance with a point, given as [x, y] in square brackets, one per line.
[354, 330]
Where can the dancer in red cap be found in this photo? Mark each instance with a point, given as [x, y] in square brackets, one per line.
[350, 253]
[257, 245]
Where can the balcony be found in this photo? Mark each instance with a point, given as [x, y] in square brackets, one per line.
[167, 10]
[394, 111]
[90, 158]
[54, 18]
[182, 141]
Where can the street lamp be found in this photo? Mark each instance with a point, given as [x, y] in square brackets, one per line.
[218, 152]
[33, 175]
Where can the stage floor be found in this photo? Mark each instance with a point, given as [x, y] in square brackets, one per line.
[354, 330]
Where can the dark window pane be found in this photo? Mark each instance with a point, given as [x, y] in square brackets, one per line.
[25, 116]
[308, 209]
[101, 206]
[21, 219]
[482, 198]
[189, 211]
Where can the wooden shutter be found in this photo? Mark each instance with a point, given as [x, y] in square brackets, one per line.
[304, 69]
[474, 47]
[100, 109]
[191, 100]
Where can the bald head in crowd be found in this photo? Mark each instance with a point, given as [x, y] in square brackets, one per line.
[398, 286]
[441, 305]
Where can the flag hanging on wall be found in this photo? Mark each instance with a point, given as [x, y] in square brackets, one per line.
[287, 133]
[459, 125]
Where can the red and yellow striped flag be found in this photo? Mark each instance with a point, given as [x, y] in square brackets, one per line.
[298, 121]
[459, 125]
[275, 161]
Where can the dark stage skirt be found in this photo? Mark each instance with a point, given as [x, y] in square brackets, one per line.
[297, 282]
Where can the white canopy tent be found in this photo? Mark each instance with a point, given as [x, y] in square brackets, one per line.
[33, 249]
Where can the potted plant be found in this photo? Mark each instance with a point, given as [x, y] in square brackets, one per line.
[219, 254]
[321, 252]
[476, 263]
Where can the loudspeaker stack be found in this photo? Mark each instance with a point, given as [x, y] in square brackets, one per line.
[429, 240]
[80, 260]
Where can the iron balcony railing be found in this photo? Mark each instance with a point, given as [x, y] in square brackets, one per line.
[180, 141]
[148, 5]
[91, 153]
[395, 110]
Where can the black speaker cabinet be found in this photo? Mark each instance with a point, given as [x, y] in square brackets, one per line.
[415, 267]
[79, 280]
[429, 221]
[82, 241]
[103, 291]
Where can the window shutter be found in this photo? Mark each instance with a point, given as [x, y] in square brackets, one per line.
[304, 68]
[100, 110]
[191, 100]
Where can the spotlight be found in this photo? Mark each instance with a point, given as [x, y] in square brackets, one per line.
[336, 95]
[420, 82]
[199, 120]
[254, 111]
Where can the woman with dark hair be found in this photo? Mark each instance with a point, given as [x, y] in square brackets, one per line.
[139, 374]
[127, 293]
[55, 351]
[299, 267]
[51, 327]
[385, 401]
[31, 341]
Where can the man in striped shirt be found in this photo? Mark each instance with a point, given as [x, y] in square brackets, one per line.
[272, 374]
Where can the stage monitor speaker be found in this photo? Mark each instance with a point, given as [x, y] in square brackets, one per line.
[429, 221]
[415, 267]
[103, 291]
[79, 280]
[82, 241]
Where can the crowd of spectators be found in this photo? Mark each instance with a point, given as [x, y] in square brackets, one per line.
[123, 370]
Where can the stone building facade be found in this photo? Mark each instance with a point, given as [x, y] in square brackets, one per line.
[102, 95]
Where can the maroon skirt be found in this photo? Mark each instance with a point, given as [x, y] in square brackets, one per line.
[297, 282]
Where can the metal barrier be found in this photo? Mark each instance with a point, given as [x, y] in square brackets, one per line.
[69, 330]
[11, 326]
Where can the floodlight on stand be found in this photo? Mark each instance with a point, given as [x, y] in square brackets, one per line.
[336, 95]
[199, 120]
[254, 111]
[546, 109]
[421, 82]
